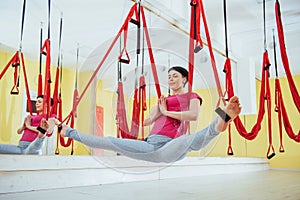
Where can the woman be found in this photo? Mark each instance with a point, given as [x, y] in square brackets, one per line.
[33, 136]
[167, 141]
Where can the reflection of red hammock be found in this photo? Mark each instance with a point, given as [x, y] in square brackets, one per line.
[15, 63]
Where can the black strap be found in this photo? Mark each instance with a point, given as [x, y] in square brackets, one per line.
[59, 41]
[49, 6]
[22, 24]
[41, 45]
[138, 48]
[41, 130]
[77, 58]
[275, 59]
[264, 15]
[225, 26]
[223, 114]
[119, 63]
[59, 128]
[18, 81]
[193, 3]
[60, 77]
[143, 53]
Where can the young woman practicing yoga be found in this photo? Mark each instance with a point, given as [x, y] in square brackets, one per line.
[33, 136]
[167, 141]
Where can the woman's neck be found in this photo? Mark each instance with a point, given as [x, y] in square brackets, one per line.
[179, 91]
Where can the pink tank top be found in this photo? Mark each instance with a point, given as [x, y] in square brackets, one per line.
[29, 135]
[169, 126]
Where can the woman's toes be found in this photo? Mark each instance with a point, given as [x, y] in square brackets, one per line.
[62, 129]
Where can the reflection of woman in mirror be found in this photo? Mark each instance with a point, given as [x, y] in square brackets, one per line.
[167, 141]
[33, 133]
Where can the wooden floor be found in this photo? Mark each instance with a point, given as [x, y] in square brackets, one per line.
[267, 184]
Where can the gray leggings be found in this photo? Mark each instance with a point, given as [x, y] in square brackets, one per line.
[34, 147]
[156, 148]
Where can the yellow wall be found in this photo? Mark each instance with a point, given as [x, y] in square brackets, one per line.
[11, 109]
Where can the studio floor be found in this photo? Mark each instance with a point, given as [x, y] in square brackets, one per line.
[266, 184]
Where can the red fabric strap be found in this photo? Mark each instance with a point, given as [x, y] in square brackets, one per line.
[106, 54]
[26, 84]
[284, 57]
[55, 93]
[256, 128]
[213, 62]
[264, 95]
[278, 110]
[15, 61]
[15, 88]
[153, 66]
[12, 61]
[47, 92]
[123, 129]
[142, 93]
[286, 121]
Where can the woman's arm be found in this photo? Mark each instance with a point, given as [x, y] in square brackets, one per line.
[27, 123]
[190, 115]
[21, 129]
[154, 114]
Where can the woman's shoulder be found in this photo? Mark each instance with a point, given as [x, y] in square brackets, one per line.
[195, 95]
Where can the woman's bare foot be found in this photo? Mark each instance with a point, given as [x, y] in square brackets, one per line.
[52, 122]
[232, 109]
[44, 125]
[63, 129]
[48, 126]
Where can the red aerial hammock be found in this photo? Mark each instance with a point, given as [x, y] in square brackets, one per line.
[70, 119]
[284, 57]
[133, 10]
[280, 108]
[15, 63]
[139, 98]
[196, 44]
[265, 94]
[59, 66]
[57, 100]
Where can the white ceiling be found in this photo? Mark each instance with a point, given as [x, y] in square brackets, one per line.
[92, 24]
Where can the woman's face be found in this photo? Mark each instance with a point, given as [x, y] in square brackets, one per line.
[175, 80]
[39, 104]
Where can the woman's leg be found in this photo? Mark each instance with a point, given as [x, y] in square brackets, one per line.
[35, 146]
[179, 147]
[201, 138]
[110, 143]
[174, 150]
[10, 149]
